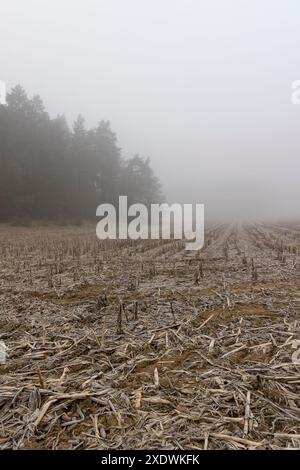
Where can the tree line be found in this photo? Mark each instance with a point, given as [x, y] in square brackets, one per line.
[51, 172]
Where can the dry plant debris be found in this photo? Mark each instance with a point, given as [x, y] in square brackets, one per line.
[141, 345]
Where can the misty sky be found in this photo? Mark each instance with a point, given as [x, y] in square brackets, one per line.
[203, 87]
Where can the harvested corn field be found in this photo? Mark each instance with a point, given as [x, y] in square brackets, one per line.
[142, 345]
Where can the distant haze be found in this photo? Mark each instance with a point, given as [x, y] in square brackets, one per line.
[2, 92]
[202, 87]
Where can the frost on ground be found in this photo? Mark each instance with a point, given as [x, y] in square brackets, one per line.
[140, 344]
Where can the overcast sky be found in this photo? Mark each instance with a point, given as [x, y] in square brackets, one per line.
[203, 87]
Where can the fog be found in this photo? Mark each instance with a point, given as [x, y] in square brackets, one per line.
[202, 87]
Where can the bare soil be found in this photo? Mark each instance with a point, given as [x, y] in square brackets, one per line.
[142, 345]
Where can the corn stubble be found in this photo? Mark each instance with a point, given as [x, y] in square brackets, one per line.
[139, 344]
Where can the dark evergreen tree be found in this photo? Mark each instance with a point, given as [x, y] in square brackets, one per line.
[49, 172]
